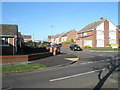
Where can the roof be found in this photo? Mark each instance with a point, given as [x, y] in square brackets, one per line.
[60, 35]
[65, 34]
[50, 37]
[90, 26]
[27, 36]
[84, 37]
[7, 29]
[57, 35]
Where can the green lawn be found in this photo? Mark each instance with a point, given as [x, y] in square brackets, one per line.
[21, 68]
[105, 49]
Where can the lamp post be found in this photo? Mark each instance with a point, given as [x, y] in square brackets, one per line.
[52, 33]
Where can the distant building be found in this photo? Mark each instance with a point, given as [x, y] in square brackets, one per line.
[9, 39]
[98, 34]
[27, 38]
[72, 34]
[65, 36]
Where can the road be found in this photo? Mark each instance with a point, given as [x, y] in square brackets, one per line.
[82, 74]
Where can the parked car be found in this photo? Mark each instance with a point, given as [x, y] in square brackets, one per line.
[75, 47]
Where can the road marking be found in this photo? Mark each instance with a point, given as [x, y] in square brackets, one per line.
[84, 63]
[72, 59]
[102, 51]
[62, 78]
[90, 62]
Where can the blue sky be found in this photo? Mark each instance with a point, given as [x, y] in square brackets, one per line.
[36, 18]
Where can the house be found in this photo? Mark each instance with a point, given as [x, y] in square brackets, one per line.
[58, 38]
[27, 38]
[8, 39]
[72, 34]
[98, 34]
[51, 39]
[65, 36]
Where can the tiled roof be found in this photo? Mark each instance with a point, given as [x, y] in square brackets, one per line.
[90, 26]
[50, 37]
[65, 34]
[7, 29]
[27, 36]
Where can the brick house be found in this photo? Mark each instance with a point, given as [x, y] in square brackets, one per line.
[8, 39]
[98, 34]
[58, 38]
[65, 36]
[27, 38]
[69, 35]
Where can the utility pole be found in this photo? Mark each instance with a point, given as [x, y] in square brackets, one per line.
[33, 36]
[51, 30]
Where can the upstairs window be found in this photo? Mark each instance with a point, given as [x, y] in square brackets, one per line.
[84, 34]
[100, 32]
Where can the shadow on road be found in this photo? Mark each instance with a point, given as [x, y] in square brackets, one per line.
[114, 65]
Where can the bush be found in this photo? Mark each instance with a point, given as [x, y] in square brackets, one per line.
[87, 46]
[108, 45]
[114, 44]
[72, 40]
[68, 41]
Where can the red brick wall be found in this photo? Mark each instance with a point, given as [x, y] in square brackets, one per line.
[72, 35]
[11, 41]
[14, 58]
[92, 37]
[117, 36]
[106, 33]
[94, 44]
[24, 58]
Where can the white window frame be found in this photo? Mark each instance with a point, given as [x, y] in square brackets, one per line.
[85, 34]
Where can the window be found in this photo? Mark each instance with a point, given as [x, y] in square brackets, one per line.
[84, 34]
[4, 41]
[100, 32]
[112, 32]
[88, 42]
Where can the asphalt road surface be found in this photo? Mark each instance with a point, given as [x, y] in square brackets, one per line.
[82, 74]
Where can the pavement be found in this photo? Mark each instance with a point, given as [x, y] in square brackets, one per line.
[60, 59]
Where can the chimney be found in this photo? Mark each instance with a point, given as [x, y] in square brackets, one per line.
[101, 18]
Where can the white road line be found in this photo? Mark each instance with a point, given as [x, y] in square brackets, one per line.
[103, 51]
[52, 80]
[84, 63]
[90, 62]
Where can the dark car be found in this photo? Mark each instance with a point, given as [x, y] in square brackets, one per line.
[75, 47]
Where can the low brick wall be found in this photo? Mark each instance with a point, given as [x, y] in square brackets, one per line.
[23, 58]
[14, 58]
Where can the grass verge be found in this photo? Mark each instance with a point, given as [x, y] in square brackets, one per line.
[105, 49]
[21, 68]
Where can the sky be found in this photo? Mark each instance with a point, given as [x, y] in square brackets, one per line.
[36, 18]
